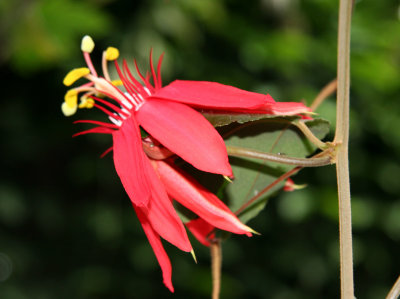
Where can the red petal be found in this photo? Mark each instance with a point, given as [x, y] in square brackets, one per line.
[288, 187]
[212, 95]
[187, 133]
[201, 230]
[184, 189]
[161, 214]
[161, 255]
[130, 162]
[144, 187]
[288, 108]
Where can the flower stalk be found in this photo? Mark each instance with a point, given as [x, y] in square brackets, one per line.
[216, 263]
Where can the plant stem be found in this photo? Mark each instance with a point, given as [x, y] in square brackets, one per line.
[323, 94]
[310, 135]
[250, 153]
[341, 141]
[395, 291]
[216, 262]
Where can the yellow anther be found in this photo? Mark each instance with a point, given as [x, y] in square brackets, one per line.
[87, 44]
[90, 103]
[112, 53]
[71, 98]
[86, 102]
[75, 75]
[67, 110]
[117, 83]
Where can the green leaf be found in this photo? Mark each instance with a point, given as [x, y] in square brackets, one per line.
[277, 136]
[223, 119]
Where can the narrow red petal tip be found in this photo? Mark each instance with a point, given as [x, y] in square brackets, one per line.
[201, 230]
[184, 189]
[159, 251]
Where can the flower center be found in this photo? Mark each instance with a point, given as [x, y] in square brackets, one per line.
[94, 91]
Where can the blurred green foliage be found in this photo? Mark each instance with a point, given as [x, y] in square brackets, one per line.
[67, 229]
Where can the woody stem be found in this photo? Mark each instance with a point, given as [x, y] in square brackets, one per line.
[250, 153]
[341, 141]
[216, 262]
[323, 94]
[310, 135]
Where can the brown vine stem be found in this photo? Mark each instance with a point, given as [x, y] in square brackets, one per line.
[304, 162]
[216, 262]
[341, 141]
[395, 291]
[310, 135]
[323, 94]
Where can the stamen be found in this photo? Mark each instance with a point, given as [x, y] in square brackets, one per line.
[105, 87]
[75, 75]
[87, 44]
[112, 53]
[108, 55]
[86, 102]
[104, 67]
[89, 63]
[117, 82]
[67, 110]
[71, 98]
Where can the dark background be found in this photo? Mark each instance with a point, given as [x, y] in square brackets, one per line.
[67, 229]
